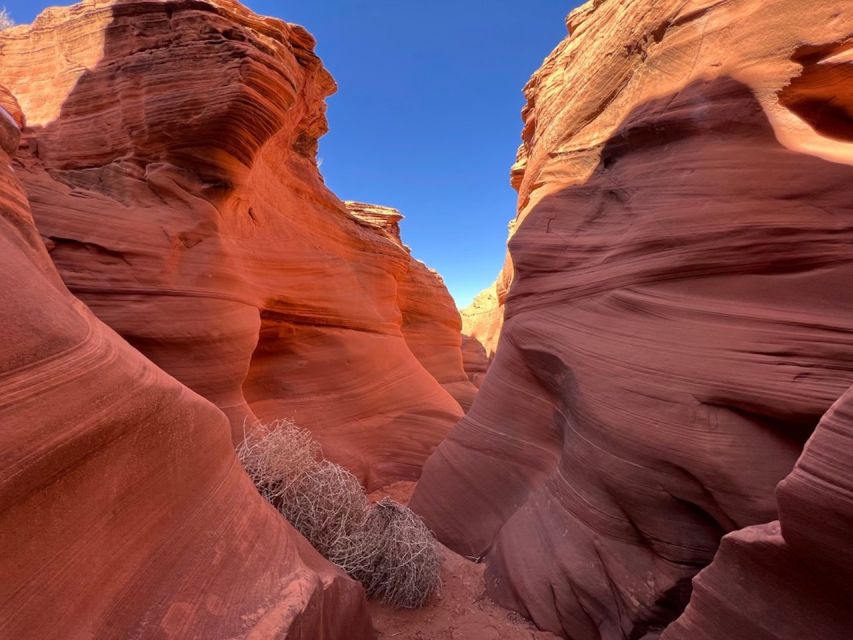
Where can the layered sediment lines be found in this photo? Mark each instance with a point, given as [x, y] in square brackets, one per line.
[787, 579]
[431, 323]
[170, 163]
[123, 511]
[680, 318]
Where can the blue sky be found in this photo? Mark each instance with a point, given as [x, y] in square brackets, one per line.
[427, 114]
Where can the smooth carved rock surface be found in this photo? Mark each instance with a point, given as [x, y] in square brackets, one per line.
[680, 314]
[123, 511]
[483, 318]
[792, 578]
[170, 163]
[474, 360]
[431, 323]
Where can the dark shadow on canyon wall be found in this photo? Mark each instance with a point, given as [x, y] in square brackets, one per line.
[822, 94]
[676, 327]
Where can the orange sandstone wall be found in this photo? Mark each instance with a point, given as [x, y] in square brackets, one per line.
[123, 511]
[680, 318]
[170, 163]
[430, 321]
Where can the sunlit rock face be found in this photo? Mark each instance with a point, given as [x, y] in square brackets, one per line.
[431, 323]
[482, 321]
[123, 511]
[170, 163]
[679, 319]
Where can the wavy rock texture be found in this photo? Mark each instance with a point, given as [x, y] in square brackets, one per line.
[123, 511]
[680, 315]
[430, 321]
[170, 163]
[792, 578]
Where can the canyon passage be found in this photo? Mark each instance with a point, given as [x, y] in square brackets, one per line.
[236, 404]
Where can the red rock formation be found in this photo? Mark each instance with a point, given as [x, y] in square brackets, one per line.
[123, 511]
[430, 321]
[792, 578]
[171, 169]
[474, 360]
[680, 314]
[482, 320]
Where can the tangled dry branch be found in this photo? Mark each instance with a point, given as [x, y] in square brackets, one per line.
[393, 555]
[384, 546]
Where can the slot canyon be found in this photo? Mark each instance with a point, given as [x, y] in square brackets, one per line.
[641, 430]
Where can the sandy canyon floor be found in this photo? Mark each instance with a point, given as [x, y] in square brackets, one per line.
[462, 611]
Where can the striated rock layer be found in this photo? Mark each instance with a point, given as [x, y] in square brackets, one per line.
[680, 317]
[123, 511]
[431, 323]
[788, 579]
[170, 162]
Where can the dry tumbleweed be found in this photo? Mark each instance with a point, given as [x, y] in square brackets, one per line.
[384, 546]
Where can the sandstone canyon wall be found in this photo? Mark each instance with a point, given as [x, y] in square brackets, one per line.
[481, 326]
[482, 320]
[169, 159]
[680, 318]
[431, 323]
[789, 578]
[123, 510]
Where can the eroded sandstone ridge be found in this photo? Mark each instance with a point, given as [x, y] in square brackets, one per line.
[680, 318]
[123, 511]
[170, 163]
[431, 323]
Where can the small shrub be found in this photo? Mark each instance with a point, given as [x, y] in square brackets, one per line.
[394, 556]
[276, 455]
[326, 505]
[385, 546]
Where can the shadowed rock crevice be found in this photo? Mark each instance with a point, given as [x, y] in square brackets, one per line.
[822, 94]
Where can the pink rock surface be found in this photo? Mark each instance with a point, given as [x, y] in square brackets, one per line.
[680, 314]
[123, 511]
[792, 578]
[475, 360]
[170, 163]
